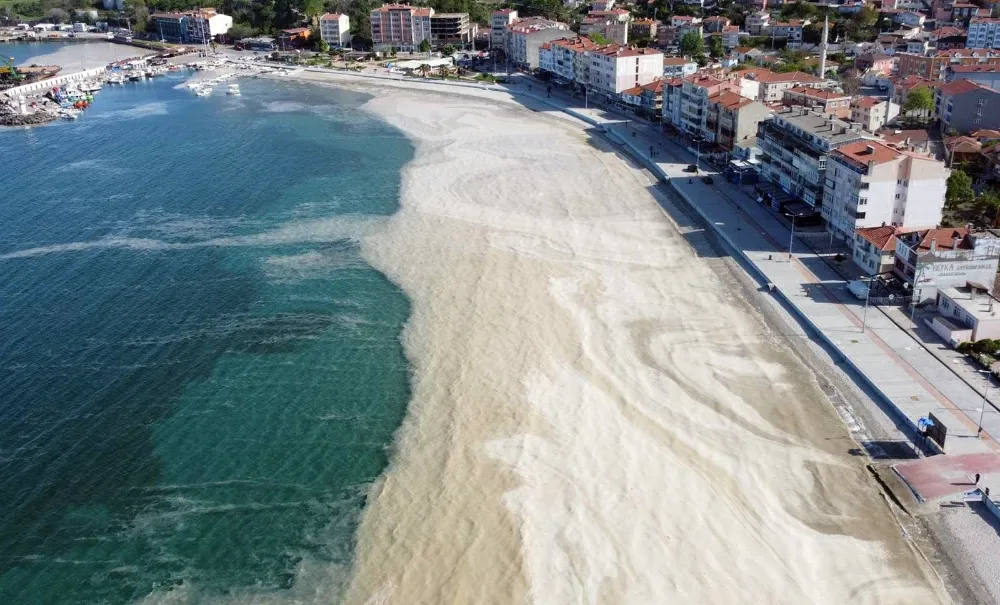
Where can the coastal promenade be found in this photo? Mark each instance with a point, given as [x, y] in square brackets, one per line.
[903, 370]
[906, 376]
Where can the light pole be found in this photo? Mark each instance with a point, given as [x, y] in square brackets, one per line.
[986, 402]
[791, 238]
[868, 293]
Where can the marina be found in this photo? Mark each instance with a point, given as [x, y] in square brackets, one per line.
[67, 96]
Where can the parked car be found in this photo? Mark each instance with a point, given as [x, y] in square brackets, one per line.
[691, 168]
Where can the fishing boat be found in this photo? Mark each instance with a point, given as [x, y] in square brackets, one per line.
[203, 91]
[233, 90]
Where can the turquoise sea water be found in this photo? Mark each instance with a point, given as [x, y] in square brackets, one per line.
[200, 375]
[22, 51]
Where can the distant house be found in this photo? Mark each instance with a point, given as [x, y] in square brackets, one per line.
[295, 37]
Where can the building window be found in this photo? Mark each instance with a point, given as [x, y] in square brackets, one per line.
[897, 196]
[945, 304]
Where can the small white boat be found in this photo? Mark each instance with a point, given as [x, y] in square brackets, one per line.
[69, 114]
[233, 90]
[204, 91]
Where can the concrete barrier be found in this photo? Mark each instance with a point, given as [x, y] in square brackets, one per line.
[43, 85]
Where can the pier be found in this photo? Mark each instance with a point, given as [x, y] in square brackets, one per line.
[43, 85]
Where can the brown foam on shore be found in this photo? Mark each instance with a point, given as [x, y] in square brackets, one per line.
[595, 417]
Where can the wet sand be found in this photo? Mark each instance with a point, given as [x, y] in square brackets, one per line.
[596, 416]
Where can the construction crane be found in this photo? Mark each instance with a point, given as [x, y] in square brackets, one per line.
[8, 71]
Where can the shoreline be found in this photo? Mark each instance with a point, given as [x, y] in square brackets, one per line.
[505, 462]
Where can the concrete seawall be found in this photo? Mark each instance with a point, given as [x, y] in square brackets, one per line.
[43, 85]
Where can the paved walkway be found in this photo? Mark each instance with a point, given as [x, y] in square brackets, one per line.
[915, 377]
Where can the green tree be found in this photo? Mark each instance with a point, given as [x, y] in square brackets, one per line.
[920, 99]
[313, 9]
[425, 46]
[988, 207]
[448, 50]
[692, 45]
[959, 190]
[241, 30]
[598, 38]
[322, 46]
[715, 47]
[861, 26]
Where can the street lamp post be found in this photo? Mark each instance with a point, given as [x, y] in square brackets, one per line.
[868, 293]
[986, 402]
[791, 238]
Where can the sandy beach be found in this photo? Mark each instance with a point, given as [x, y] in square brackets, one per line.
[81, 56]
[596, 416]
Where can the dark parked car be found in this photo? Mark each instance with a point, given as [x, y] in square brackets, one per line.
[691, 168]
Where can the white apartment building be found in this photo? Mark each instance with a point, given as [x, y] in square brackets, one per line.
[204, 25]
[872, 113]
[498, 21]
[334, 29]
[983, 33]
[524, 37]
[615, 68]
[869, 184]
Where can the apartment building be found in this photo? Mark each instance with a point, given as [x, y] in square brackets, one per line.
[756, 23]
[566, 58]
[612, 24]
[789, 30]
[936, 66]
[767, 86]
[869, 184]
[678, 67]
[730, 35]
[498, 21]
[987, 75]
[934, 259]
[983, 33]
[684, 21]
[836, 104]
[732, 121]
[615, 68]
[873, 113]
[964, 106]
[670, 115]
[794, 146]
[668, 37]
[400, 26]
[715, 24]
[647, 100]
[874, 248]
[335, 29]
[451, 28]
[693, 110]
[523, 38]
[171, 27]
[643, 28]
[205, 25]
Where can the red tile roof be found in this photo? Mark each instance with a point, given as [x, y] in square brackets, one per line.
[864, 152]
[883, 238]
[961, 87]
[816, 93]
[944, 238]
[866, 102]
[969, 69]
